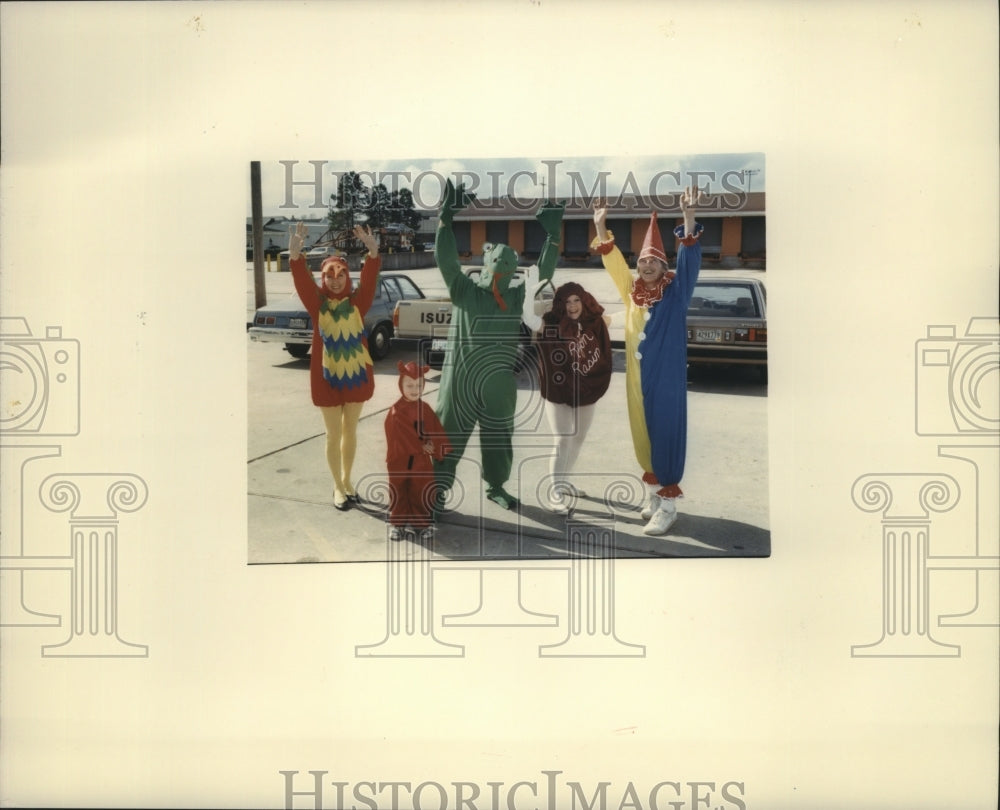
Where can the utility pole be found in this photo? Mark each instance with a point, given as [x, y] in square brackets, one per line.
[257, 206]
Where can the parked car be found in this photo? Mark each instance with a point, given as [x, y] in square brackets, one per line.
[727, 321]
[286, 321]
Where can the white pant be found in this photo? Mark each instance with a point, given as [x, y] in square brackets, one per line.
[569, 426]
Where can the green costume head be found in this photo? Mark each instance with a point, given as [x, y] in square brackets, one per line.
[499, 267]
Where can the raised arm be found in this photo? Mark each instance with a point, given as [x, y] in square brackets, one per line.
[445, 246]
[531, 287]
[689, 251]
[369, 271]
[550, 217]
[611, 256]
[301, 277]
[690, 198]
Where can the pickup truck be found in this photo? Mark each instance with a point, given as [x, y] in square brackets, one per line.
[420, 327]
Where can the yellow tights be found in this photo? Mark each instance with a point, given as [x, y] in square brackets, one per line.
[341, 444]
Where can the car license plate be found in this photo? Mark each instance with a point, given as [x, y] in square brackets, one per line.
[708, 335]
[297, 323]
[439, 345]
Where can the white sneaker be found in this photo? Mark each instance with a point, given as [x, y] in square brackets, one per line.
[558, 507]
[427, 534]
[652, 506]
[396, 534]
[661, 521]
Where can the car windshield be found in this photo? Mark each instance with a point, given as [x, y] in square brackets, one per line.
[724, 301]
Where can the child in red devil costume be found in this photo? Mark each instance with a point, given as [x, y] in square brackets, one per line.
[408, 426]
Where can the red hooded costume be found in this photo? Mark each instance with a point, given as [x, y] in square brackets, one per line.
[409, 426]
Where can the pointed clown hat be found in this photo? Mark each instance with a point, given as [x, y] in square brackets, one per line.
[652, 245]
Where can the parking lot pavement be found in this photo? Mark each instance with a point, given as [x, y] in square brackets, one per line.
[290, 510]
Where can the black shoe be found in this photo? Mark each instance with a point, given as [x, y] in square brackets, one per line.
[354, 499]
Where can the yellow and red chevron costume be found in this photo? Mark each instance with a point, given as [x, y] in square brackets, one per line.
[340, 366]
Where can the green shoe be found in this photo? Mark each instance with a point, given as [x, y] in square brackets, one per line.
[499, 496]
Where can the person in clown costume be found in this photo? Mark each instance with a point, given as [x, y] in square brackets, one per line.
[340, 368]
[656, 304]
[477, 381]
[574, 348]
[414, 439]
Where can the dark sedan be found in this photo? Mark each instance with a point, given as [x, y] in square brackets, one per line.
[727, 321]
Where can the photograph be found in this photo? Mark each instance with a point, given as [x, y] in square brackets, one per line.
[484, 355]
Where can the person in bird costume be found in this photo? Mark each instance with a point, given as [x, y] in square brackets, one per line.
[414, 439]
[340, 368]
[656, 304]
[477, 380]
[574, 349]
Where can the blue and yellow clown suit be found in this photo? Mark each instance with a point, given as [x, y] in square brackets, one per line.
[656, 359]
[477, 381]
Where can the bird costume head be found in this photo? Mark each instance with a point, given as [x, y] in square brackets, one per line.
[334, 267]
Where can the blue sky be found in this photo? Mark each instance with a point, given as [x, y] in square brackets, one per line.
[295, 181]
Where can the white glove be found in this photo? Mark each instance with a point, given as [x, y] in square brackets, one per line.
[531, 287]
[530, 319]
[296, 240]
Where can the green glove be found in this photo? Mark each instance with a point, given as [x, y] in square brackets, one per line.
[550, 217]
[454, 200]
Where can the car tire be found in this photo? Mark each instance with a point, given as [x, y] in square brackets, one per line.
[297, 350]
[379, 341]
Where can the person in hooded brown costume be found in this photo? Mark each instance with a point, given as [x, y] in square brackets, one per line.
[574, 350]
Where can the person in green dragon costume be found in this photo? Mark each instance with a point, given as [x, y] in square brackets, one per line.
[477, 380]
